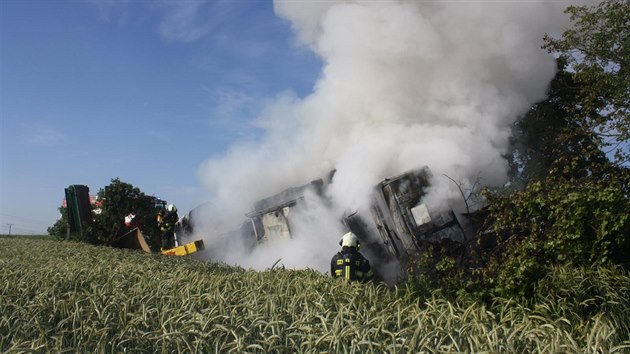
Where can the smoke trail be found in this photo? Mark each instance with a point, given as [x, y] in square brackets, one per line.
[404, 84]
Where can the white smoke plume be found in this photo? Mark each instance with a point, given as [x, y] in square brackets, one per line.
[404, 84]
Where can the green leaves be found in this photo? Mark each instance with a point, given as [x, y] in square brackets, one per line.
[597, 51]
[118, 200]
[584, 122]
[573, 222]
[60, 228]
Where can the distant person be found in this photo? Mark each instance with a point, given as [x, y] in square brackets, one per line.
[348, 263]
[167, 223]
[131, 221]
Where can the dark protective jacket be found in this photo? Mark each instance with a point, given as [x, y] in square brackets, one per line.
[168, 221]
[350, 265]
[167, 225]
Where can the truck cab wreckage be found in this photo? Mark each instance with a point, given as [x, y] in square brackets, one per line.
[397, 227]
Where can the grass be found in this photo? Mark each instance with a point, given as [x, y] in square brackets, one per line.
[64, 296]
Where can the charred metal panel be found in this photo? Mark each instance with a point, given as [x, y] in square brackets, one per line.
[394, 200]
[381, 248]
[445, 226]
[270, 216]
[382, 218]
[404, 223]
[276, 225]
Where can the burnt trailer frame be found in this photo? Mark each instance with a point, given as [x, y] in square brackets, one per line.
[279, 205]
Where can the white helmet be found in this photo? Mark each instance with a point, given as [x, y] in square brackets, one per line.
[171, 207]
[349, 240]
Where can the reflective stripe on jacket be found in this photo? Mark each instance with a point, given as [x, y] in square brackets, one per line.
[350, 265]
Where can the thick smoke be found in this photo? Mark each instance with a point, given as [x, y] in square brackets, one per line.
[404, 84]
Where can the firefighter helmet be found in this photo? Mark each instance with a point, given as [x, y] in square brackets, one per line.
[171, 208]
[350, 240]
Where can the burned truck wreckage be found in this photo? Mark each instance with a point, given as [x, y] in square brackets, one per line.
[397, 227]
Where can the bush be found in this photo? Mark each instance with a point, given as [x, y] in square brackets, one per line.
[574, 222]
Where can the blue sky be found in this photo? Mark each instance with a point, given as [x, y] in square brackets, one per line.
[140, 90]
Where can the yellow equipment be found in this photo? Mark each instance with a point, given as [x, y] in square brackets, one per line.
[185, 250]
[134, 239]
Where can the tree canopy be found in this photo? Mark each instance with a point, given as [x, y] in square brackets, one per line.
[117, 200]
[597, 52]
[573, 208]
[120, 199]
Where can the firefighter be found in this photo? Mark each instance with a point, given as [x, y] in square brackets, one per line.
[167, 226]
[348, 263]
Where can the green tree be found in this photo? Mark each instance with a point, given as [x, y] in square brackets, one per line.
[120, 199]
[59, 229]
[537, 136]
[573, 209]
[597, 51]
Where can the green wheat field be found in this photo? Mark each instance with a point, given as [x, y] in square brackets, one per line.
[69, 297]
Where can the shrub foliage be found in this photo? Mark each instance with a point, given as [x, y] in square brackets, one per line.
[559, 222]
[118, 200]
